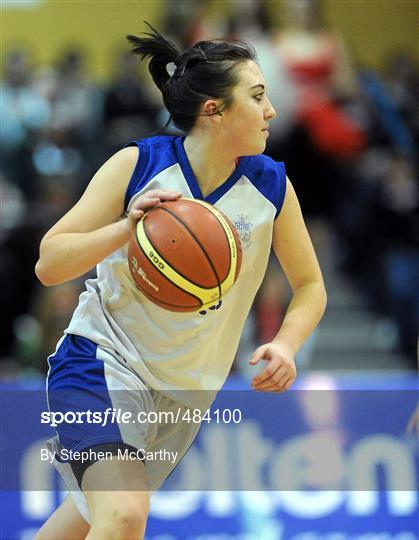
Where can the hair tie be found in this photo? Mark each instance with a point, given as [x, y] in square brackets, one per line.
[179, 59]
[178, 63]
[203, 54]
[171, 68]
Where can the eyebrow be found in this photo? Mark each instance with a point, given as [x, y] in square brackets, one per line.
[257, 85]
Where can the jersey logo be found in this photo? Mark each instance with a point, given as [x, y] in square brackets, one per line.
[244, 229]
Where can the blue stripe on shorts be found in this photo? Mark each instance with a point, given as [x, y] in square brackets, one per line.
[76, 384]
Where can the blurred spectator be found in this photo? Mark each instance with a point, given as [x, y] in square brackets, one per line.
[251, 21]
[23, 113]
[129, 110]
[392, 127]
[327, 129]
[402, 82]
[19, 254]
[398, 223]
[22, 108]
[13, 206]
[189, 22]
[316, 56]
[76, 100]
[26, 224]
[50, 313]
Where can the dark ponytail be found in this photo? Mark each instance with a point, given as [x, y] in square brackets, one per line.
[207, 70]
[159, 49]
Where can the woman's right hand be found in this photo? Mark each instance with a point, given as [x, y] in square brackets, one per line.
[146, 201]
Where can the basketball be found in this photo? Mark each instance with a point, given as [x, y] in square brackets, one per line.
[184, 255]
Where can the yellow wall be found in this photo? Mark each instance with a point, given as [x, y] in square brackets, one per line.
[98, 26]
[372, 27]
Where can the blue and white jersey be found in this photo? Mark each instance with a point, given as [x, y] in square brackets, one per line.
[179, 352]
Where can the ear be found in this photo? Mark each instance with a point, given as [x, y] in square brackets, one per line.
[210, 108]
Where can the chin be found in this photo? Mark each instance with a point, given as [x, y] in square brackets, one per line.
[258, 149]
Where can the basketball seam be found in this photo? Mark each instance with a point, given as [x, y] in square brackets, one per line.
[175, 269]
[151, 298]
[160, 272]
[202, 248]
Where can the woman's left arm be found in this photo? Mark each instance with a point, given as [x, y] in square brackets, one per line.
[292, 245]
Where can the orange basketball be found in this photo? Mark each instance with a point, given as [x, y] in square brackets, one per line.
[184, 255]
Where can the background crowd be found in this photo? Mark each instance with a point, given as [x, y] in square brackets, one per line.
[348, 135]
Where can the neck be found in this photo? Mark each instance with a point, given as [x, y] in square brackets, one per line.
[212, 162]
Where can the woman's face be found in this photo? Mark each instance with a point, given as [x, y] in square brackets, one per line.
[246, 121]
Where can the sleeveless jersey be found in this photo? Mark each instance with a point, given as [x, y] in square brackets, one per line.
[176, 353]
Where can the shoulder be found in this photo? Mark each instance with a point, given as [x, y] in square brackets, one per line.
[153, 155]
[268, 177]
[117, 170]
[153, 143]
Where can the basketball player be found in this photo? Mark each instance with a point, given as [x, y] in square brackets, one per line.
[119, 340]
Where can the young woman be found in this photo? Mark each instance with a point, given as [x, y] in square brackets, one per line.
[117, 339]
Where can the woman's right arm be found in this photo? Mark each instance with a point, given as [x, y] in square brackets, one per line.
[92, 229]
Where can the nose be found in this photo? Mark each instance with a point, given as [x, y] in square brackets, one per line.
[270, 112]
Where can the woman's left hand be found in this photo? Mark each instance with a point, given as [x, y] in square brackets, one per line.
[280, 372]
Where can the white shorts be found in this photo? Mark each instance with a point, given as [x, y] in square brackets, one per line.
[84, 377]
